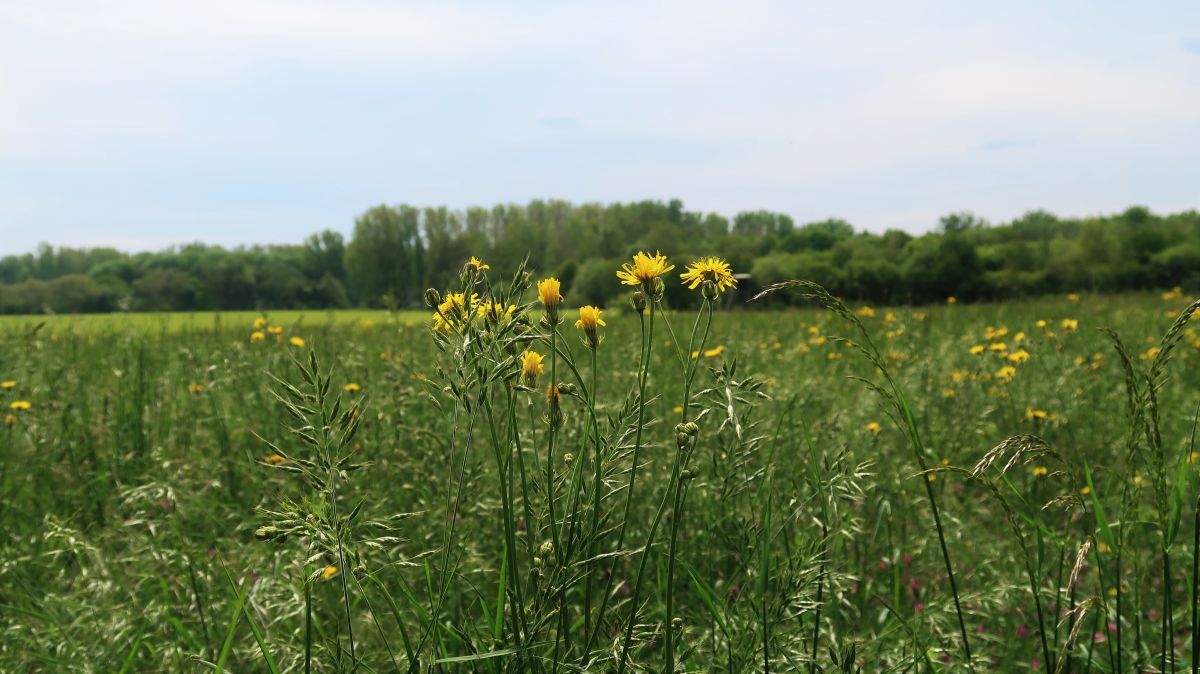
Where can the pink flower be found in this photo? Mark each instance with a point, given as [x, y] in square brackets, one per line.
[1022, 631]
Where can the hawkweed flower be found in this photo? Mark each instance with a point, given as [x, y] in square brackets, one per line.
[477, 264]
[645, 272]
[260, 323]
[296, 341]
[531, 367]
[257, 336]
[20, 405]
[10, 419]
[351, 387]
[496, 312]
[7, 384]
[589, 318]
[454, 312]
[550, 295]
[275, 330]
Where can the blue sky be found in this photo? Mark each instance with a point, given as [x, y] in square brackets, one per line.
[140, 124]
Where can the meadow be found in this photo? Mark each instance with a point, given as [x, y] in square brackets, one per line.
[727, 490]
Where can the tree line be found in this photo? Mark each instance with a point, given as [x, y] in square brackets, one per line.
[395, 252]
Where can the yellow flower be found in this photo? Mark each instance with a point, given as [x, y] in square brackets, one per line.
[1150, 354]
[548, 293]
[1019, 337]
[259, 322]
[196, 388]
[1031, 413]
[715, 351]
[1006, 373]
[275, 330]
[958, 376]
[644, 269]
[351, 387]
[296, 341]
[678, 409]
[274, 459]
[865, 312]
[10, 419]
[832, 356]
[1070, 324]
[20, 405]
[531, 366]
[976, 350]
[454, 311]
[708, 269]
[874, 427]
[496, 311]
[948, 393]
[258, 336]
[7, 384]
[477, 264]
[998, 346]
[1041, 324]
[589, 318]
[1018, 356]
[329, 572]
[951, 300]
[1039, 471]
[1103, 547]
[1085, 491]
[1072, 297]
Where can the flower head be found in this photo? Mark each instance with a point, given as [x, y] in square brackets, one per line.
[874, 427]
[296, 341]
[258, 336]
[644, 269]
[7, 384]
[260, 323]
[351, 387]
[477, 264]
[454, 312]
[550, 295]
[20, 405]
[589, 318]
[712, 269]
[531, 367]
[329, 572]
[496, 311]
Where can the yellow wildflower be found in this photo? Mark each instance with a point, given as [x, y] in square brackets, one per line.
[1150, 353]
[10, 419]
[329, 572]
[998, 346]
[477, 264]
[1069, 324]
[1039, 471]
[976, 350]
[951, 300]
[1072, 297]
[1006, 373]
[7, 384]
[1031, 413]
[1041, 324]
[196, 388]
[715, 351]
[708, 269]
[20, 405]
[865, 312]
[275, 330]
[351, 387]
[258, 336]
[1018, 356]
[549, 293]
[644, 269]
[260, 323]
[296, 341]
[874, 427]
[274, 459]
[589, 318]
[531, 367]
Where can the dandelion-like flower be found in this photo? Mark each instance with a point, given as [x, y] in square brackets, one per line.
[275, 330]
[454, 312]
[589, 318]
[550, 295]
[20, 405]
[7, 384]
[531, 367]
[644, 269]
[351, 387]
[874, 427]
[257, 336]
[712, 269]
[260, 323]
[496, 311]
[296, 341]
[477, 264]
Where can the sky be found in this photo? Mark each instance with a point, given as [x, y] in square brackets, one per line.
[142, 124]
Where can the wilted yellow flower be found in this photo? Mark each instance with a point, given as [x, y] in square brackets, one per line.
[10, 419]
[7, 384]
[477, 264]
[708, 269]
[874, 427]
[549, 293]
[20, 405]
[645, 268]
[259, 323]
[531, 366]
[258, 336]
[351, 387]
[296, 341]
[329, 572]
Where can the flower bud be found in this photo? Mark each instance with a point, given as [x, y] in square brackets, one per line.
[710, 291]
[433, 298]
[638, 302]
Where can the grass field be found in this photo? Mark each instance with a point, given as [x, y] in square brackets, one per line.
[163, 510]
